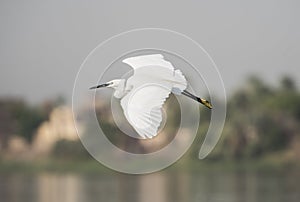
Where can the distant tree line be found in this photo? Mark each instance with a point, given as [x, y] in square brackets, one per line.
[17, 117]
[261, 119]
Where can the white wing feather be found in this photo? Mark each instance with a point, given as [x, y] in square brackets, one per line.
[142, 108]
[153, 80]
[148, 60]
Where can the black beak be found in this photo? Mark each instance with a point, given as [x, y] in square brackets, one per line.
[100, 86]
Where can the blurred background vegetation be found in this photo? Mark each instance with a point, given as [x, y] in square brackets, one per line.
[262, 124]
[42, 46]
[262, 121]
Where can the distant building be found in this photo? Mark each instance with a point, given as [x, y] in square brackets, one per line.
[60, 126]
[17, 147]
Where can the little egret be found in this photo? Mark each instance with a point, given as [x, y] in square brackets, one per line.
[143, 94]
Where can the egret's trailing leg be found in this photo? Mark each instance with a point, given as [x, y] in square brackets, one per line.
[202, 101]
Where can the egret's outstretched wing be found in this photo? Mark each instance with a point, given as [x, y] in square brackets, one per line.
[154, 68]
[142, 108]
[153, 80]
[148, 60]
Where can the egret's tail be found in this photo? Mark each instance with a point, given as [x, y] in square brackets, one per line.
[180, 82]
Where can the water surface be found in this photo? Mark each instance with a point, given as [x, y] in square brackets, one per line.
[162, 186]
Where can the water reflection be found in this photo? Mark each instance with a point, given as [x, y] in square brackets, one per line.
[162, 186]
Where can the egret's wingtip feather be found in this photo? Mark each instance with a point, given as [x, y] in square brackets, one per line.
[148, 60]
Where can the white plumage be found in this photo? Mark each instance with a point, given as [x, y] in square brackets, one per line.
[143, 94]
[150, 86]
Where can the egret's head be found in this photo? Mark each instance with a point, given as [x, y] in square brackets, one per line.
[111, 84]
[114, 83]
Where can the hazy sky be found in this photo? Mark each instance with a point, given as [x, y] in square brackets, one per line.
[43, 43]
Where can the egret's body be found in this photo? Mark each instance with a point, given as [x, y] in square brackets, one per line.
[144, 93]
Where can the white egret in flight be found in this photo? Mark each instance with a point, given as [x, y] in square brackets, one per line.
[143, 94]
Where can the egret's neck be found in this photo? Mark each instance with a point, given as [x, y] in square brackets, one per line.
[120, 89]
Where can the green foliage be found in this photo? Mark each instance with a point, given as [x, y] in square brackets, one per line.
[28, 119]
[18, 117]
[65, 149]
[260, 120]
